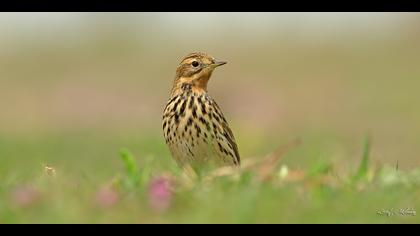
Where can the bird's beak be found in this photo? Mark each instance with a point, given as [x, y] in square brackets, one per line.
[218, 63]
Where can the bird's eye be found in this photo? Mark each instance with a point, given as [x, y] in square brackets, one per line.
[195, 63]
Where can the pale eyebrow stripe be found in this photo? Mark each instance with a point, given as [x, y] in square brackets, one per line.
[194, 55]
[188, 59]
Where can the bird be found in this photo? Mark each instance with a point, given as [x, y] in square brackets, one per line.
[194, 127]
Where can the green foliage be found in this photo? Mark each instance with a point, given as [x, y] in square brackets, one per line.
[362, 172]
[320, 168]
[132, 172]
[321, 192]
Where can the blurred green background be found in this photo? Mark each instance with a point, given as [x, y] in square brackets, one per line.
[77, 87]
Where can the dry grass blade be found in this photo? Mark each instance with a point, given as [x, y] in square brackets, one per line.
[270, 162]
[50, 171]
[264, 167]
[222, 171]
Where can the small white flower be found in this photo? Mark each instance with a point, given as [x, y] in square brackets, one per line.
[283, 172]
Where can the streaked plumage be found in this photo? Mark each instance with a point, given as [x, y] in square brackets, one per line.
[194, 126]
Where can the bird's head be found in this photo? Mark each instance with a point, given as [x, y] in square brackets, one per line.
[195, 69]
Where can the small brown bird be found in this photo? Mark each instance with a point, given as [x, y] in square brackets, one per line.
[194, 127]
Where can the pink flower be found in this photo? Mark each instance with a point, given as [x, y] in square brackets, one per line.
[160, 194]
[25, 196]
[106, 197]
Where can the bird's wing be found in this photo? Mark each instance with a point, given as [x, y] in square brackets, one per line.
[224, 142]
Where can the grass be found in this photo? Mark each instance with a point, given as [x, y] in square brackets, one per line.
[140, 188]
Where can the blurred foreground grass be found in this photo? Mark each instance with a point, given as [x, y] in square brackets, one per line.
[138, 188]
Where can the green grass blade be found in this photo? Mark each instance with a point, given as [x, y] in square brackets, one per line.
[364, 164]
[131, 167]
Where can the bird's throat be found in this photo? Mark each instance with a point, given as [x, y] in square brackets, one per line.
[195, 85]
